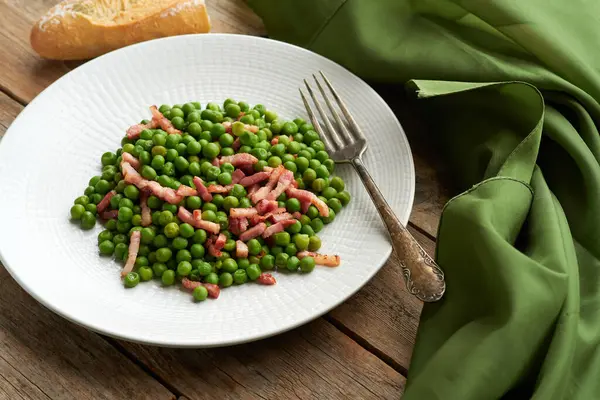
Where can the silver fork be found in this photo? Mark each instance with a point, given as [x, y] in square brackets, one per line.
[423, 277]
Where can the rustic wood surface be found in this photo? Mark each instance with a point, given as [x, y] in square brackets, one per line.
[361, 349]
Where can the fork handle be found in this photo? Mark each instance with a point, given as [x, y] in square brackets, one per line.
[423, 277]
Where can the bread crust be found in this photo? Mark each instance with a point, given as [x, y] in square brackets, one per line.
[65, 34]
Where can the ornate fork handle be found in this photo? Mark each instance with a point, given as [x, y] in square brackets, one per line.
[424, 278]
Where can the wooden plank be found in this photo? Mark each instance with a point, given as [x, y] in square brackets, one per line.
[43, 356]
[314, 361]
[234, 16]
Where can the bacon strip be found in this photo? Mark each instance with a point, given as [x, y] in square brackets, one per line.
[321, 259]
[238, 159]
[254, 178]
[284, 216]
[112, 214]
[297, 215]
[135, 163]
[264, 191]
[265, 206]
[253, 189]
[134, 246]
[243, 212]
[306, 196]
[278, 227]
[164, 122]
[266, 279]
[255, 219]
[237, 176]
[202, 190]
[213, 290]
[134, 131]
[236, 144]
[253, 232]
[219, 188]
[284, 182]
[212, 249]
[208, 226]
[104, 203]
[132, 176]
[220, 241]
[241, 249]
[186, 191]
[146, 213]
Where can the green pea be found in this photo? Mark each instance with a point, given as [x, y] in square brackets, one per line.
[278, 150]
[298, 138]
[295, 228]
[293, 205]
[120, 238]
[165, 217]
[254, 247]
[240, 277]
[267, 262]
[147, 235]
[171, 155]
[89, 191]
[183, 255]
[111, 225]
[159, 269]
[200, 293]
[120, 250]
[123, 226]
[314, 243]
[184, 268]
[307, 264]
[302, 164]
[245, 203]
[171, 230]
[343, 197]
[159, 140]
[293, 147]
[308, 230]
[319, 184]
[301, 241]
[95, 198]
[145, 273]
[180, 243]
[329, 164]
[224, 178]
[106, 247]
[335, 205]
[141, 261]
[211, 150]
[91, 208]
[77, 211]
[289, 128]
[282, 238]
[291, 249]
[131, 192]
[229, 245]
[233, 110]
[193, 117]
[274, 162]
[281, 260]
[164, 254]
[260, 165]
[229, 265]
[230, 202]
[88, 220]
[195, 129]
[247, 119]
[212, 278]
[105, 235]
[197, 250]
[131, 279]
[292, 263]
[317, 225]
[243, 263]
[168, 277]
[312, 212]
[108, 158]
[329, 192]
[309, 175]
[194, 148]
[310, 136]
[225, 279]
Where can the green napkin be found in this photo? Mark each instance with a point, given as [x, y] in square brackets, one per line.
[521, 245]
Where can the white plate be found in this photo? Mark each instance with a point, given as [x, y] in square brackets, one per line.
[54, 147]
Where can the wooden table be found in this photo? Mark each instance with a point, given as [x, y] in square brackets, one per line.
[361, 349]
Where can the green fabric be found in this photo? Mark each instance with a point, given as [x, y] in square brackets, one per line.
[520, 246]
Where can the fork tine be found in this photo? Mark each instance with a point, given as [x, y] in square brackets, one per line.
[355, 128]
[345, 134]
[315, 121]
[331, 131]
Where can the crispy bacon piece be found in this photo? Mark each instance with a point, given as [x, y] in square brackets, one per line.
[202, 190]
[236, 144]
[132, 176]
[208, 226]
[186, 191]
[253, 232]
[146, 213]
[219, 188]
[278, 227]
[134, 246]
[253, 189]
[163, 122]
[254, 178]
[255, 219]
[266, 279]
[135, 163]
[242, 212]
[220, 241]
[297, 215]
[304, 205]
[238, 159]
[266, 206]
[284, 216]
[112, 214]
[284, 182]
[213, 290]
[321, 259]
[264, 191]
[212, 249]
[237, 176]
[306, 196]
[134, 131]
[105, 202]
[241, 249]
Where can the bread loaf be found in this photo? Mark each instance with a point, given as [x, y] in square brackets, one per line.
[83, 29]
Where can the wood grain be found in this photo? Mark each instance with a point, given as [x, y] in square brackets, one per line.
[316, 361]
[43, 356]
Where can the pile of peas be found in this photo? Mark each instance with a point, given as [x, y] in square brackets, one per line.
[171, 250]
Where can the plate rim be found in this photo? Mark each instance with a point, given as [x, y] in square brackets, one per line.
[279, 329]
